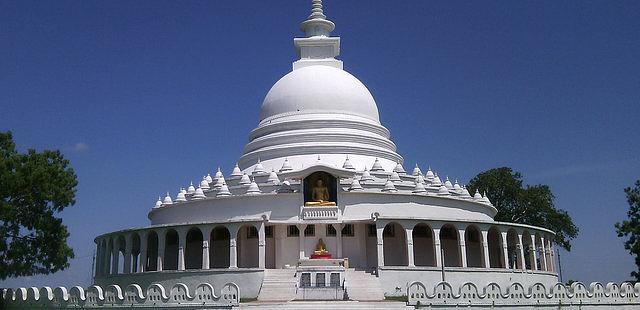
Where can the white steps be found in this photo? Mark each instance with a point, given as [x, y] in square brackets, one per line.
[278, 285]
[363, 286]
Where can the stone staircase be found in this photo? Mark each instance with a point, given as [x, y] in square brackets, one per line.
[332, 305]
[278, 285]
[363, 286]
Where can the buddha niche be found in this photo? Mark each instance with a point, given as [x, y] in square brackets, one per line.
[320, 195]
[321, 251]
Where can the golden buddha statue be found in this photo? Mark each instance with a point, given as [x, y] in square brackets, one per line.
[320, 195]
[321, 248]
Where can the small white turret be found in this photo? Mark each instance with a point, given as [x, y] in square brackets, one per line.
[219, 182]
[253, 188]
[236, 173]
[355, 185]
[443, 191]
[429, 176]
[394, 177]
[485, 199]
[273, 177]
[244, 180]
[181, 196]
[218, 173]
[366, 176]
[377, 167]
[191, 190]
[204, 184]
[477, 196]
[465, 192]
[159, 202]
[419, 188]
[258, 169]
[209, 178]
[419, 179]
[456, 186]
[347, 164]
[416, 171]
[167, 200]
[399, 169]
[286, 166]
[199, 194]
[436, 180]
[224, 191]
[448, 184]
[389, 187]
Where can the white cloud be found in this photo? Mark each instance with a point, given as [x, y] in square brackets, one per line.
[80, 147]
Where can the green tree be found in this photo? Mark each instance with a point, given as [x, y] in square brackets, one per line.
[631, 227]
[34, 187]
[531, 205]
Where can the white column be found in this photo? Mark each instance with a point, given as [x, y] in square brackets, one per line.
[463, 247]
[410, 257]
[161, 239]
[485, 248]
[116, 256]
[301, 228]
[182, 241]
[543, 255]
[534, 259]
[521, 253]
[436, 242]
[107, 258]
[233, 251]
[380, 245]
[338, 228]
[261, 246]
[552, 256]
[142, 263]
[505, 250]
[128, 248]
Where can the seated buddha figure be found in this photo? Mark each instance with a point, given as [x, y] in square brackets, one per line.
[320, 195]
[321, 248]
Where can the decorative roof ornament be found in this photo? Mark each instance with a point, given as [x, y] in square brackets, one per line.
[399, 169]
[355, 185]
[419, 179]
[285, 187]
[286, 166]
[366, 176]
[258, 169]
[429, 175]
[181, 196]
[199, 194]
[244, 180]
[477, 196]
[376, 166]
[253, 188]
[273, 177]
[395, 177]
[317, 23]
[191, 190]
[416, 171]
[209, 178]
[224, 191]
[159, 203]
[236, 173]
[182, 190]
[167, 200]
[443, 191]
[204, 184]
[389, 187]
[347, 164]
[419, 188]
[485, 199]
[219, 182]
[218, 173]
[465, 192]
[448, 184]
[456, 186]
[436, 180]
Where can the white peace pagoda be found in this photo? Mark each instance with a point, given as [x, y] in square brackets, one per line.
[320, 206]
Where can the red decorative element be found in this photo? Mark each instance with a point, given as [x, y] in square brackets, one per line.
[321, 256]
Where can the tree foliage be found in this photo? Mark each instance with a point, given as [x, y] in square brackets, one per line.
[531, 204]
[631, 227]
[34, 187]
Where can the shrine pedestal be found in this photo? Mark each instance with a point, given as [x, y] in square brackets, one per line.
[321, 256]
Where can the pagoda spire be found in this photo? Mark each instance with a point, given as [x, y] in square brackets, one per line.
[318, 47]
[317, 23]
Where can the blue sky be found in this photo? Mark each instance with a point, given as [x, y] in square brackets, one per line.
[144, 96]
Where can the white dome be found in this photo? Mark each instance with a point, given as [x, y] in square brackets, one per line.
[319, 89]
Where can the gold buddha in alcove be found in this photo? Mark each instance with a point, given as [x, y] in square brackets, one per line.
[320, 195]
